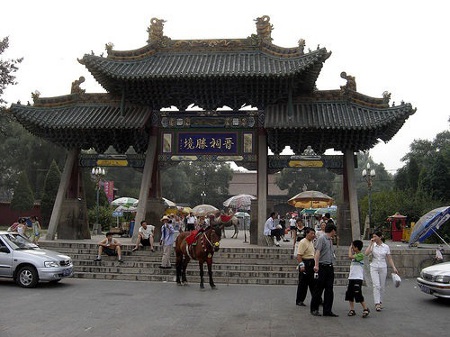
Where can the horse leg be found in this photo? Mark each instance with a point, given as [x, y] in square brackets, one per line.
[209, 264]
[183, 273]
[179, 266]
[200, 263]
[223, 233]
[236, 231]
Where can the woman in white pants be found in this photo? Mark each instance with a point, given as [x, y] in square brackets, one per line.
[378, 267]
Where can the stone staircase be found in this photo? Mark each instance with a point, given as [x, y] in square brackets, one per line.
[249, 265]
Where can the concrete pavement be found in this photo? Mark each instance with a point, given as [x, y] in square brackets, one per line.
[78, 307]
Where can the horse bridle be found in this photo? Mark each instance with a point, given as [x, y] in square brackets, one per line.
[209, 241]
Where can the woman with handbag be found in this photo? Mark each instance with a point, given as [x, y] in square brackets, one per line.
[381, 254]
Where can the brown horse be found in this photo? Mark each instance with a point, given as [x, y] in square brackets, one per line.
[207, 243]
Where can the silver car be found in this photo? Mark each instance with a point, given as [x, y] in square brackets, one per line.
[435, 280]
[27, 264]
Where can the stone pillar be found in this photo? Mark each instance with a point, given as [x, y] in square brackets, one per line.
[70, 211]
[261, 188]
[150, 158]
[349, 168]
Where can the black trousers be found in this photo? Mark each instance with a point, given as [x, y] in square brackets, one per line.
[277, 233]
[324, 284]
[306, 280]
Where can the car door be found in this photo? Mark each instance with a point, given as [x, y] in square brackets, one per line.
[6, 255]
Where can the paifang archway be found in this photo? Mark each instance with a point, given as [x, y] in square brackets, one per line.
[279, 82]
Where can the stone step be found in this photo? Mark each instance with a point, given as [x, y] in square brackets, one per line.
[257, 265]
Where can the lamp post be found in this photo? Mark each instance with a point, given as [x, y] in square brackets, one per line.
[203, 195]
[368, 174]
[98, 173]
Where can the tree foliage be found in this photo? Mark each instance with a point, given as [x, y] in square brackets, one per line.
[23, 199]
[185, 183]
[7, 69]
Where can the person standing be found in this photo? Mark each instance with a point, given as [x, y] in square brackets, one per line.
[191, 221]
[167, 239]
[271, 230]
[324, 259]
[176, 223]
[145, 236]
[283, 228]
[36, 227]
[355, 279]
[22, 227]
[305, 259]
[299, 233]
[292, 222]
[378, 267]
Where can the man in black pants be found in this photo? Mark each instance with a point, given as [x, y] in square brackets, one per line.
[324, 259]
[305, 258]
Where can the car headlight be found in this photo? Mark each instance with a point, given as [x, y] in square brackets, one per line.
[442, 279]
[51, 264]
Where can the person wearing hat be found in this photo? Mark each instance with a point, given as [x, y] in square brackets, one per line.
[145, 236]
[166, 242]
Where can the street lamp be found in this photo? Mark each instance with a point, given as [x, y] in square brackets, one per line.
[98, 173]
[203, 195]
[368, 174]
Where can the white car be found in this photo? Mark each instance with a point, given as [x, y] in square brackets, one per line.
[27, 264]
[435, 280]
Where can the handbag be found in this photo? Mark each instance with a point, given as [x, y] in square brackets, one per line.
[396, 280]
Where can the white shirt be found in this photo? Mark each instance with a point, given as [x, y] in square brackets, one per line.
[379, 253]
[147, 232]
[268, 226]
[292, 222]
[191, 220]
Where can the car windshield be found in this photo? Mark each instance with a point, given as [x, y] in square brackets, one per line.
[17, 241]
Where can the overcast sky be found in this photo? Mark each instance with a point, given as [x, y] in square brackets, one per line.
[396, 46]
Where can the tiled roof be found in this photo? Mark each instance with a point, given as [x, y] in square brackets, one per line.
[208, 78]
[332, 124]
[88, 124]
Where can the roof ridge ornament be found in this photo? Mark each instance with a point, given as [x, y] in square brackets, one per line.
[75, 89]
[156, 32]
[301, 46]
[264, 29]
[351, 83]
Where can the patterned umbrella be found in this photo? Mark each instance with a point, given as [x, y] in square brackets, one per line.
[310, 199]
[167, 203]
[429, 223]
[125, 209]
[204, 210]
[242, 215]
[240, 201]
[124, 201]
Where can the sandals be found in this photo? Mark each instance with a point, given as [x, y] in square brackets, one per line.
[366, 313]
[378, 307]
[351, 313]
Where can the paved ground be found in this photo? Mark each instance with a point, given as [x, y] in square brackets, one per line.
[77, 307]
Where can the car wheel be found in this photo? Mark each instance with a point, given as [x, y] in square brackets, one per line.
[27, 277]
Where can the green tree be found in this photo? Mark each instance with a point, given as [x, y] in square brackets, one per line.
[209, 177]
[296, 180]
[50, 191]
[7, 69]
[23, 199]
